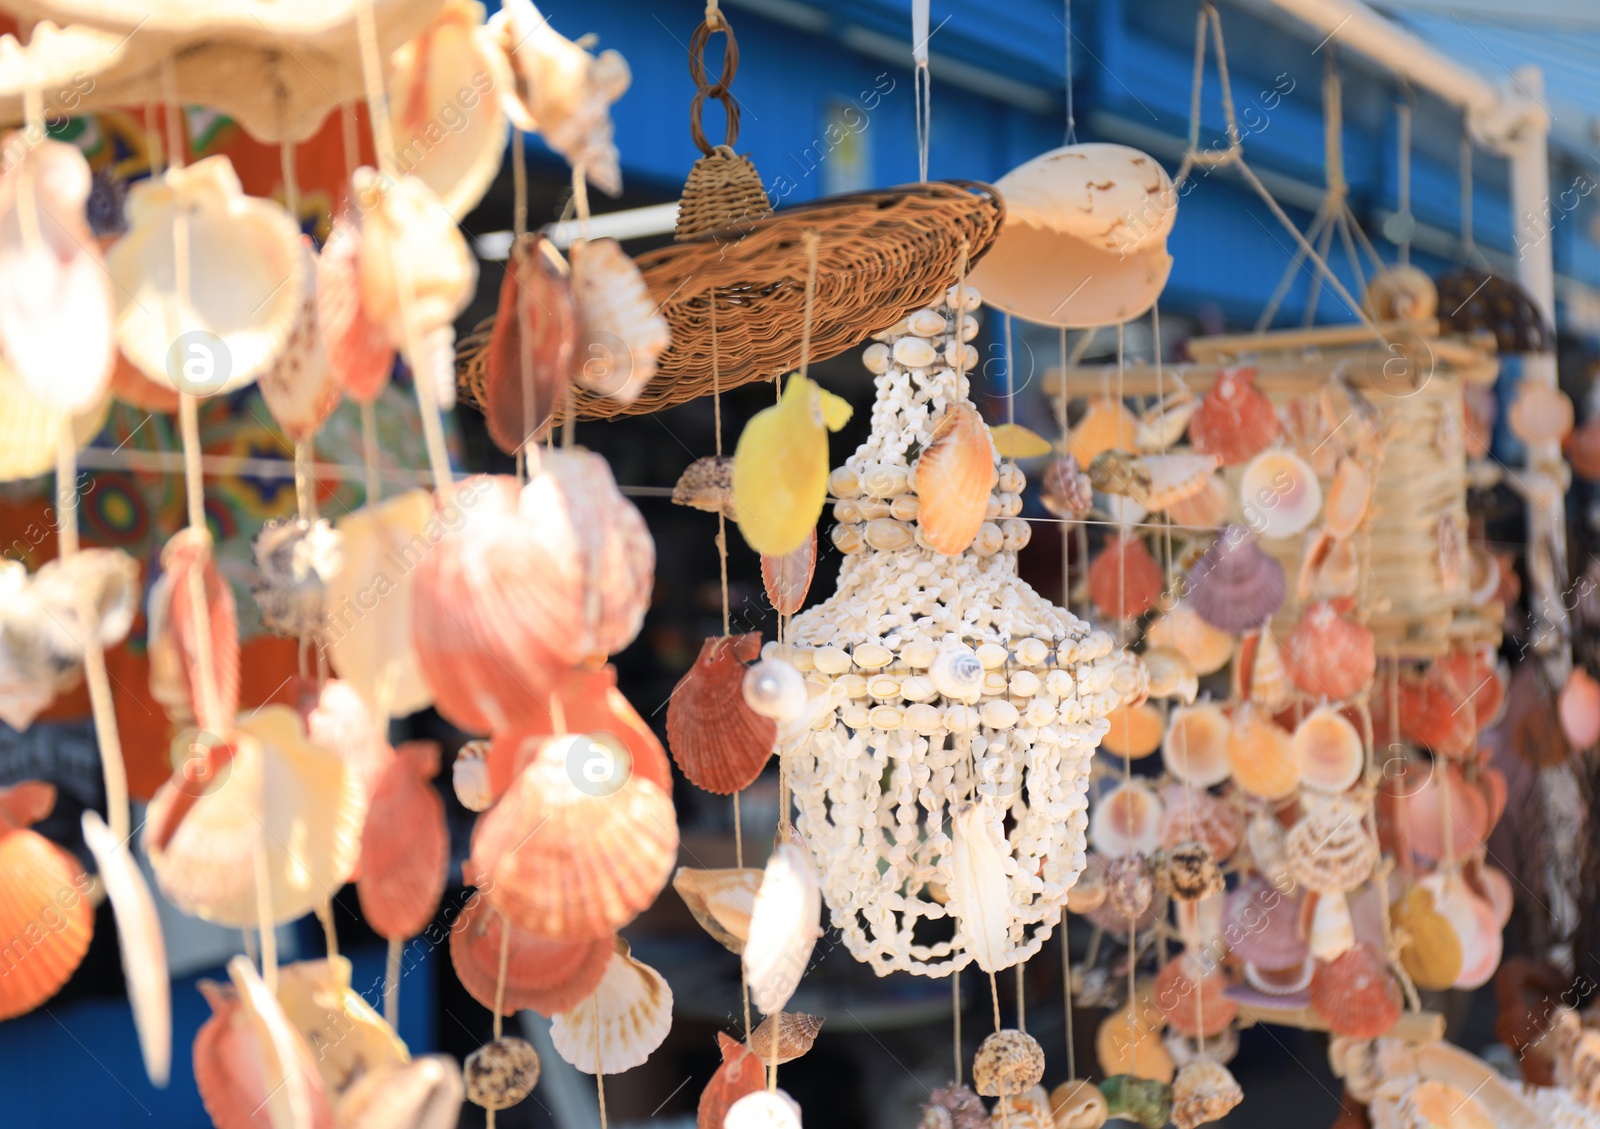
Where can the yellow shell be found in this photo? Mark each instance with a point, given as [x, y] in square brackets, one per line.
[1207, 649]
[953, 478]
[1261, 755]
[1013, 441]
[780, 467]
[1135, 731]
[29, 429]
[1107, 425]
[347, 1038]
[1129, 1043]
[1433, 956]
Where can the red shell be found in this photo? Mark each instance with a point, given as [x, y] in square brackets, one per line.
[1356, 995]
[787, 579]
[1195, 814]
[1191, 999]
[541, 975]
[46, 919]
[1235, 421]
[1431, 713]
[358, 352]
[740, 1074]
[177, 635]
[1124, 580]
[405, 845]
[1582, 448]
[535, 288]
[1422, 812]
[717, 740]
[1328, 655]
[227, 1067]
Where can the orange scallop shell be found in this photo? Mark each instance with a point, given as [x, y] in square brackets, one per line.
[1329, 655]
[1197, 815]
[1235, 421]
[567, 863]
[953, 478]
[1207, 649]
[1329, 751]
[1196, 746]
[1124, 580]
[358, 352]
[541, 975]
[1192, 999]
[1578, 707]
[175, 670]
[741, 1073]
[1432, 714]
[718, 741]
[1206, 508]
[787, 579]
[228, 1068]
[405, 845]
[1423, 816]
[1479, 681]
[1261, 755]
[1136, 731]
[536, 289]
[1355, 994]
[46, 920]
[1106, 425]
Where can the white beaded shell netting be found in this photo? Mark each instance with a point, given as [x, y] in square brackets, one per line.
[918, 727]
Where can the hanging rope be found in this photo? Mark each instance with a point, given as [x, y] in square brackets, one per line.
[922, 84]
[1072, 121]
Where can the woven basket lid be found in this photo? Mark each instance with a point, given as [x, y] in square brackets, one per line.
[1476, 302]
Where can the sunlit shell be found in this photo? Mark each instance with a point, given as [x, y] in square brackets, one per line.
[300, 805]
[796, 1032]
[1578, 706]
[300, 387]
[295, 558]
[1196, 746]
[1262, 925]
[1349, 495]
[250, 1065]
[501, 1073]
[780, 467]
[740, 1073]
[535, 331]
[621, 331]
[1126, 821]
[1191, 997]
[1541, 413]
[367, 623]
[1331, 849]
[1433, 956]
[1236, 586]
[144, 953]
[1171, 674]
[717, 740]
[1191, 814]
[359, 355]
[1329, 655]
[721, 901]
[405, 845]
[1011, 440]
[1401, 293]
[541, 975]
[348, 1036]
[1128, 1042]
[46, 917]
[1204, 1092]
[953, 477]
[787, 579]
[1279, 494]
[1356, 995]
[1261, 754]
[561, 91]
[425, 1093]
[1076, 1104]
[764, 1109]
[1329, 751]
[1065, 490]
[191, 692]
[1106, 425]
[603, 850]
[55, 296]
[621, 1023]
[341, 722]
[1136, 731]
[245, 286]
[1124, 580]
[1207, 649]
[1474, 922]
[785, 922]
[1008, 1062]
[1235, 421]
[94, 591]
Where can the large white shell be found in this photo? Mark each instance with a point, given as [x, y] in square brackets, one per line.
[978, 886]
[621, 330]
[621, 1023]
[293, 1094]
[784, 926]
[1279, 494]
[1126, 821]
[764, 1109]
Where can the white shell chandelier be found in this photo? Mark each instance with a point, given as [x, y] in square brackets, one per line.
[952, 682]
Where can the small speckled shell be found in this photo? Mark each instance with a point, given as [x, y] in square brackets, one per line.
[1007, 1062]
[502, 1073]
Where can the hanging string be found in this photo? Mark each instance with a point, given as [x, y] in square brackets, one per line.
[1072, 121]
[1066, 993]
[599, 1075]
[1403, 121]
[922, 84]
[580, 203]
[1022, 1013]
[955, 1010]
[391, 983]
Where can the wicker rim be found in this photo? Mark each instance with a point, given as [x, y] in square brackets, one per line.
[882, 255]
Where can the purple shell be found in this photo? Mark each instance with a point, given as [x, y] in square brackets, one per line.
[1262, 925]
[1236, 586]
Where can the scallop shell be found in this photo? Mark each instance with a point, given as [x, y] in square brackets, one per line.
[1124, 580]
[301, 805]
[603, 851]
[1328, 655]
[1432, 956]
[542, 976]
[1329, 751]
[1135, 731]
[1262, 925]
[1349, 495]
[1356, 995]
[1540, 413]
[561, 91]
[1204, 1092]
[1089, 892]
[406, 233]
[764, 1109]
[1261, 755]
[1173, 479]
[740, 1074]
[1206, 508]
[1127, 1043]
[621, 1023]
[1474, 922]
[350, 1038]
[1235, 421]
[46, 917]
[787, 579]
[1171, 675]
[359, 355]
[500, 1074]
[49, 626]
[1191, 997]
[30, 429]
[251, 1066]
[342, 722]
[245, 279]
[367, 625]
[1076, 1104]
[1279, 494]
[1236, 586]
[1106, 425]
[1196, 746]
[450, 59]
[295, 558]
[1331, 849]
[1008, 1062]
[717, 740]
[796, 1033]
[1028, 1110]
[1401, 293]
[1065, 490]
[1207, 649]
[55, 297]
[206, 696]
[785, 922]
[144, 953]
[405, 845]
[300, 387]
[535, 300]
[953, 477]
[425, 1093]
[721, 901]
[1126, 821]
[621, 332]
[1192, 814]
[1329, 569]
[1578, 707]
